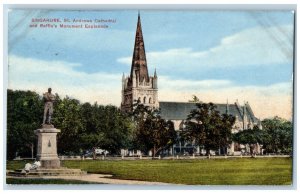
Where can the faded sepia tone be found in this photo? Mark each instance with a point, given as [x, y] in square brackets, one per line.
[150, 97]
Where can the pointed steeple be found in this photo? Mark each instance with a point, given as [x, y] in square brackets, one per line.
[139, 62]
[227, 107]
[155, 76]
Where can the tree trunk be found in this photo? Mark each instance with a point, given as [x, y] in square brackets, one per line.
[94, 154]
[251, 149]
[157, 150]
[32, 151]
[207, 151]
[153, 152]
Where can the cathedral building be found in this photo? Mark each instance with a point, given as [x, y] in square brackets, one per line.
[140, 86]
[244, 119]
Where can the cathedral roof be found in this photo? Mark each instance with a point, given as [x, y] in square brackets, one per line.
[139, 62]
[180, 110]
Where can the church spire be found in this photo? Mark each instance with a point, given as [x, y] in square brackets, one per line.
[227, 107]
[139, 62]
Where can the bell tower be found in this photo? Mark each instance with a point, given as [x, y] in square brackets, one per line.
[139, 85]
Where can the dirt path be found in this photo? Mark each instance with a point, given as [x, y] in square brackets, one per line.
[101, 178]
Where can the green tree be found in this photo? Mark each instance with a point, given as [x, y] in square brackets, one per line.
[249, 137]
[66, 117]
[117, 129]
[195, 99]
[105, 127]
[152, 132]
[278, 135]
[83, 126]
[205, 126]
[24, 115]
[90, 136]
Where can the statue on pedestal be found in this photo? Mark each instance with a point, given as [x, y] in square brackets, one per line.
[48, 162]
[47, 135]
[48, 110]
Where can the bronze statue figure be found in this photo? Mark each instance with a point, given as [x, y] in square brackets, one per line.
[48, 110]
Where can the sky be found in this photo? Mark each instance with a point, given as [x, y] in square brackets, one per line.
[215, 55]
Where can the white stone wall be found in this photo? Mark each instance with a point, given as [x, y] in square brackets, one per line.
[143, 91]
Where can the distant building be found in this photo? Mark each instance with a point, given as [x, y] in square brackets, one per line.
[140, 86]
[177, 112]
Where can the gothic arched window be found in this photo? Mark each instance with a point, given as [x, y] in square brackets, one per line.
[150, 100]
[139, 99]
[144, 99]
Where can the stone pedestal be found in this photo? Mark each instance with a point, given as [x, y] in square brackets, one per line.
[47, 147]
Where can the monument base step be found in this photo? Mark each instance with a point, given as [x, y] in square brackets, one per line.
[47, 172]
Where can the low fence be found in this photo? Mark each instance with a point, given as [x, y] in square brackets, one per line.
[177, 157]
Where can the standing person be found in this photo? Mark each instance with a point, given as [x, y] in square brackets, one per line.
[49, 99]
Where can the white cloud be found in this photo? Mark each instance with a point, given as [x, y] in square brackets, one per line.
[125, 60]
[38, 75]
[255, 46]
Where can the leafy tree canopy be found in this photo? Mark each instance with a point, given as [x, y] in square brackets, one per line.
[278, 135]
[83, 126]
[206, 126]
[24, 114]
[152, 132]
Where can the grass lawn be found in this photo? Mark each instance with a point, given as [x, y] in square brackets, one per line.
[231, 171]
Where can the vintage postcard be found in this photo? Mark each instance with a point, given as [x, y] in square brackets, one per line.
[150, 97]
